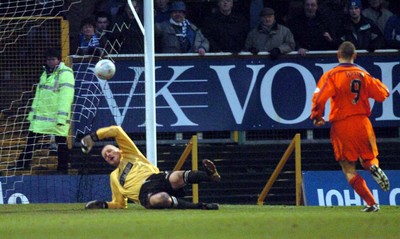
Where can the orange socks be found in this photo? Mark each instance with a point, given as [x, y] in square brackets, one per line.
[361, 188]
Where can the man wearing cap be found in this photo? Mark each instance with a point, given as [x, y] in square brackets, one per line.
[361, 31]
[270, 36]
[179, 35]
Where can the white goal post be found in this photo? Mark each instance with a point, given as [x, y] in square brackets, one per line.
[149, 64]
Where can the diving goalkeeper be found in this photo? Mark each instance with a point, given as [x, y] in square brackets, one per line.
[135, 178]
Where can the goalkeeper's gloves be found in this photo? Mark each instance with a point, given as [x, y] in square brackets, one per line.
[95, 204]
[87, 142]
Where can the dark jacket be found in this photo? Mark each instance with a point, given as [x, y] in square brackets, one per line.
[392, 32]
[226, 33]
[130, 37]
[309, 33]
[364, 34]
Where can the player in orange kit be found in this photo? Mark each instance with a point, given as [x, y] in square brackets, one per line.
[352, 135]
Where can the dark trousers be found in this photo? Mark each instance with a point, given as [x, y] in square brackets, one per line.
[32, 144]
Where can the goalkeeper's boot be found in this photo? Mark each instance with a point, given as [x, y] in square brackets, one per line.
[373, 208]
[209, 206]
[211, 170]
[380, 177]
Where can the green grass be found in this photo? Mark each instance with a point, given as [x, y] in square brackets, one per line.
[231, 221]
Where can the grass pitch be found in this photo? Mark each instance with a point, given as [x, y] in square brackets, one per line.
[231, 221]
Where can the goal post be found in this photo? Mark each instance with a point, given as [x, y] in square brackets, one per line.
[149, 65]
[295, 145]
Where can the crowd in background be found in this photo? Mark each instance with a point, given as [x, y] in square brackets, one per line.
[274, 26]
[277, 27]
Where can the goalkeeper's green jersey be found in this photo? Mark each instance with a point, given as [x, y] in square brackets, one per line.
[132, 171]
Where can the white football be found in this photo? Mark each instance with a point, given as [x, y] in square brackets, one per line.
[104, 69]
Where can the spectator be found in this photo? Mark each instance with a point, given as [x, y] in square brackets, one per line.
[76, 12]
[361, 31]
[270, 36]
[310, 30]
[131, 37]
[225, 29]
[103, 31]
[51, 111]
[377, 13]
[179, 35]
[334, 12]
[161, 11]
[392, 29]
[88, 40]
[103, 22]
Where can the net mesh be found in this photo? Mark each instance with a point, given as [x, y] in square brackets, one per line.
[27, 29]
[23, 41]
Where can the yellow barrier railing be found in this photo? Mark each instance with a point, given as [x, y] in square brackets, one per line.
[190, 148]
[295, 144]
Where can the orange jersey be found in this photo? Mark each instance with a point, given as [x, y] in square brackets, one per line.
[349, 89]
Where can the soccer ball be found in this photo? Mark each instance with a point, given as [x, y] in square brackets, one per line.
[104, 69]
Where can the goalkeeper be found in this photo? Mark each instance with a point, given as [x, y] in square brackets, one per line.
[135, 178]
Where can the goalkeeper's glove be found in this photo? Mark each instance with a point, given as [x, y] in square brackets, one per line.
[87, 142]
[96, 205]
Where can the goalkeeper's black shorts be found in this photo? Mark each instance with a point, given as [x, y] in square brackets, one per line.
[157, 183]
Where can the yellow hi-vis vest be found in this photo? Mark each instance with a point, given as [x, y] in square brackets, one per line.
[51, 107]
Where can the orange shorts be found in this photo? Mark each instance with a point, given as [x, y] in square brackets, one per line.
[353, 138]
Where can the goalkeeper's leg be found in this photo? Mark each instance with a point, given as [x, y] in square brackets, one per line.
[160, 191]
[178, 179]
[164, 200]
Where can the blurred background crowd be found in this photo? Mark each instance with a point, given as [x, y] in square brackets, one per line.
[201, 26]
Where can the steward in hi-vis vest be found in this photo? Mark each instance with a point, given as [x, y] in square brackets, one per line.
[51, 107]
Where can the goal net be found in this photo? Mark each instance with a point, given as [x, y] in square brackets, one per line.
[27, 29]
